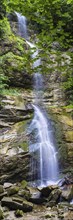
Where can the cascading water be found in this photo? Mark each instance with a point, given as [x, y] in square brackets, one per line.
[44, 164]
[22, 27]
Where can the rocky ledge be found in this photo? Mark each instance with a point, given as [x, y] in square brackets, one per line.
[21, 200]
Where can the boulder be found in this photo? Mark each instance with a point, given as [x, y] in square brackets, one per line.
[45, 191]
[7, 185]
[14, 205]
[12, 190]
[35, 196]
[67, 193]
[27, 206]
[55, 195]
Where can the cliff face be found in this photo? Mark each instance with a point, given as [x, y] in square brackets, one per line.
[15, 104]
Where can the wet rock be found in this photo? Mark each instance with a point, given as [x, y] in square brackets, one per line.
[65, 181]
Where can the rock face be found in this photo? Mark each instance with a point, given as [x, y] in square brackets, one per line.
[14, 168]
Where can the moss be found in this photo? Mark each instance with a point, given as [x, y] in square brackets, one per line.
[19, 213]
[13, 190]
[23, 184]
[11, 92]
[47, 216]
[15, 56]
[12, 62]
[24, 146]
[69, 136]
[1, 214]
[5, 29]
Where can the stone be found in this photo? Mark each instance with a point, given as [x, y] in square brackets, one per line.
[24, 193]
[67, 194]
[12, 205]
[1, 189]
[36, 199]
[45, 191]
[15, 167]
[12, 190]
[17, 199]
[35, 196]
[7, 185]
[2, 195]
[55, 195]
[51, 203]
[27, 206]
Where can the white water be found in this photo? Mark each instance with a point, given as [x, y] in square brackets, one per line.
[44, 164]
[22, 27]
[71, 202]
[48, 162]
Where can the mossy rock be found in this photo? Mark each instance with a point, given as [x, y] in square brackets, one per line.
[13, 190]
[28, 206]
[1, 214]
[24, 184]
[69, 136]
[49, 215]
[19, 213]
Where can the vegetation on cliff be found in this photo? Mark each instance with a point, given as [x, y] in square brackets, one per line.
[52, 22]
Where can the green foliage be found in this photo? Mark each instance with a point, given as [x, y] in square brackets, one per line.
[3, 82]
[5, 29]
[52, 21]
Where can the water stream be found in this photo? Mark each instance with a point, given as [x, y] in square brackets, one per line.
[44, 165]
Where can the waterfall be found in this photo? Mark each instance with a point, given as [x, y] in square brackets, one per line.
[44, 165]
[22, 26]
